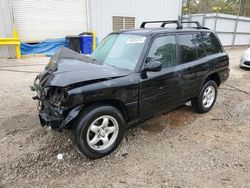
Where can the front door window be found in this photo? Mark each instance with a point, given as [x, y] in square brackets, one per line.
[163, 49]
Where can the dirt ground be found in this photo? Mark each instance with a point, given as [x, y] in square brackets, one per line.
[178, 149]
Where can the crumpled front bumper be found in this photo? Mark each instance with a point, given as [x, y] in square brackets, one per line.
[46, 120]
[51, 115]
[58, 121]
[57, 118]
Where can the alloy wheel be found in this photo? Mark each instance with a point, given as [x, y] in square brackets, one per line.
[102, 132]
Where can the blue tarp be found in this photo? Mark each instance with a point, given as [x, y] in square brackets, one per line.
[48, 47]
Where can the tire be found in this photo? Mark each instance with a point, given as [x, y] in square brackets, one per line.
[98, 131]
[208, 91]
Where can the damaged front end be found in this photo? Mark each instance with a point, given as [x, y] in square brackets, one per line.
[55, 87]
[52, 111]
[51, 98]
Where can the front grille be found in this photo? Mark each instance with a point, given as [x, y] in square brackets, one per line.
[247, 63]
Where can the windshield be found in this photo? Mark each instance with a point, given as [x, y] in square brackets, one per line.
[120, 50]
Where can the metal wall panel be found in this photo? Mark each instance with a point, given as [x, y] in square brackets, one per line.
[6, 27]
[197, 18]
[102, 11]
[39, 20]
[244, 26]
[242, 39]
[225, 25]
[210, 23]
[226, 39]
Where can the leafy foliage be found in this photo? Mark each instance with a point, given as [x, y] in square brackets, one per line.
[234, 7]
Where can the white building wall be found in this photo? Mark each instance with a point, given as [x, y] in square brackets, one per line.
[6, 27]
[101, 12]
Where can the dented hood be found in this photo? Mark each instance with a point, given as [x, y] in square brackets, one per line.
[67, 67]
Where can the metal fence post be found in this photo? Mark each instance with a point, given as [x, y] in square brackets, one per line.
[236, 25]
[249, 43]
[215, 22]
[204, 19]
[205, 14]
[235, 31]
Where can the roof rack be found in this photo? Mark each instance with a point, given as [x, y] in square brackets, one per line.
[197, 24]
[179, 26]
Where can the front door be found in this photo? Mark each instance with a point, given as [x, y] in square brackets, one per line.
[159, 91]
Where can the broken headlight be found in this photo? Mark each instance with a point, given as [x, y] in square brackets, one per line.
[57, 96]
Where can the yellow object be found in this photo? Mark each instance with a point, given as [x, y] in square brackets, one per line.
[13, 41]
[94, 40]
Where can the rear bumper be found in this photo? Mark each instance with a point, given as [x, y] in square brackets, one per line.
[224, 74]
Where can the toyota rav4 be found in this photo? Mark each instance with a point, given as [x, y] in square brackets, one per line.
[132, 76]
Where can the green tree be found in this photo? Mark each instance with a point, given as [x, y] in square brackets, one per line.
[245, 8]
[220, 6]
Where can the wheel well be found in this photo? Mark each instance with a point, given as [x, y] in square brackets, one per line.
[115, 103]
[215, 77]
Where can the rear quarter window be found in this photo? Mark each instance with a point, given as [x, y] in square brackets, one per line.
[211, 43]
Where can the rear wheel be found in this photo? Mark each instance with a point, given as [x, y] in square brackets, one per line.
[207, 97]
[99, 131]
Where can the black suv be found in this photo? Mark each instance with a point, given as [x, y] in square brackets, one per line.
[131, 76]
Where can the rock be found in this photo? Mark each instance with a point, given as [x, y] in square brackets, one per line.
[122, 181]
[225, 179]
[60, 156]
[124, 154]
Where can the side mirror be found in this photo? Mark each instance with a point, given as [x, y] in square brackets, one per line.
[152, 65]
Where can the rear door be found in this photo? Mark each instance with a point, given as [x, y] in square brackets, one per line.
[159, 91]
[195, 64]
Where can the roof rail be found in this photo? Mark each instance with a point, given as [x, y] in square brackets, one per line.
[197, 24]
[179, 26]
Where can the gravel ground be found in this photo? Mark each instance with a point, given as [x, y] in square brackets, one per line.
[178, 149]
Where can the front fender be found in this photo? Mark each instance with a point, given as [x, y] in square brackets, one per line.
[71, 116]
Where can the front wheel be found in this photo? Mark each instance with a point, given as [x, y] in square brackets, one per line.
[207, 97]
[99, 131]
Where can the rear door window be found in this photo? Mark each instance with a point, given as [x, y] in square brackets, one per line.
[199, 46]
[211, 43]
[187, 48]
